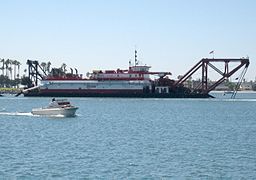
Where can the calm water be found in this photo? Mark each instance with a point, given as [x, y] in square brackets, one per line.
[130, 139]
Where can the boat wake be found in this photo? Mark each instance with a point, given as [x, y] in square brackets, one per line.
[29, 114]
[16, 113]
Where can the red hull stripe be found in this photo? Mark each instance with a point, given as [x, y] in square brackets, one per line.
[64, 79]
[100, 91]
[100, 79]
[121, 79]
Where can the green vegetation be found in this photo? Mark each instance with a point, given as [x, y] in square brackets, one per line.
[9, 90]
[254, 87]
[230, 85]
[5, 81]
[10, 76]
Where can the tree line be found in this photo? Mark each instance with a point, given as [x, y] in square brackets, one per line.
[10, 72]
[10, 75]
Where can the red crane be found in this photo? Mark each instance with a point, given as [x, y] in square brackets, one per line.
[204, 64]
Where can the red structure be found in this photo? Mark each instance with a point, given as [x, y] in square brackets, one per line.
[204, 66]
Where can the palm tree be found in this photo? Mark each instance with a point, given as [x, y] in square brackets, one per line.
[14, 62]
[18, 64]
[25, 71]
[43, 65]
[7, 63]
[48, 67]
[63, 67]
[2, 68]
[10, 70]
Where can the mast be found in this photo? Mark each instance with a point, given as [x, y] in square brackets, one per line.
[135, 58]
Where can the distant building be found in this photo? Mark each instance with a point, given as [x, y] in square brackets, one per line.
[224, 86]
[247, 86]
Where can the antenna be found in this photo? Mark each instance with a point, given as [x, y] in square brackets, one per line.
[212, 52]
[136, 61]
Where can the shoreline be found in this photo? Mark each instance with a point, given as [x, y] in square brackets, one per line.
[9, 91]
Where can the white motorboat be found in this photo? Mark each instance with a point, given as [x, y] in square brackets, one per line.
[56, 107]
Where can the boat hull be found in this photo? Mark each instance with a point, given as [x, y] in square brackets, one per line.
[67, 112]
[115, 89]
[119, 95]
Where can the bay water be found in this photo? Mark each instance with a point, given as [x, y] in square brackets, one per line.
[119, 138]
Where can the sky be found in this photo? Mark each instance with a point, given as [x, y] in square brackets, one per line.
[169, 35]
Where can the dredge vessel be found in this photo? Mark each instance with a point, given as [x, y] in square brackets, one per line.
[132, 82]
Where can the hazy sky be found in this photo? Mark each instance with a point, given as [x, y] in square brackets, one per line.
[170, 35]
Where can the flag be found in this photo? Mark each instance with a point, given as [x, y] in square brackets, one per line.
[211, 52]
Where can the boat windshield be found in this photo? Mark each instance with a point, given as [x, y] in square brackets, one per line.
[63, 103]
[59, 103]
